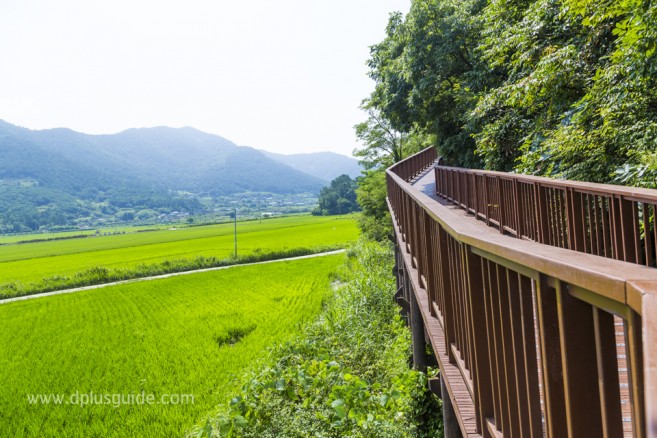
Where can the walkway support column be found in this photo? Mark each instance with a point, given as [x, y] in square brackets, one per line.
[450, 422]
[417, 334]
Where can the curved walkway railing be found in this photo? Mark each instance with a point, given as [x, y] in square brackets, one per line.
[606, 220]
[532, 339]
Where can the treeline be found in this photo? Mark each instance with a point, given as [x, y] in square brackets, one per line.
[559, 88]
[27, 208]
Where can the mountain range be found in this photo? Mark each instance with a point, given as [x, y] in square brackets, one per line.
[49, 177]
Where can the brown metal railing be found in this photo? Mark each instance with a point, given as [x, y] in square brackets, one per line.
[526, 335]
[606, 220]
[416, 164]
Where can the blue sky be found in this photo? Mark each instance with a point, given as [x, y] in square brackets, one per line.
[285, 75]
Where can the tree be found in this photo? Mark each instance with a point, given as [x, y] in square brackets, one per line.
[428, 74]
[338, 198]
[375, 222]
[383, 145]
[563, 88]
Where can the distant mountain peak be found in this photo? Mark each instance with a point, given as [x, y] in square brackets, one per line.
[141, 168]
[173, 158]
[324, 165]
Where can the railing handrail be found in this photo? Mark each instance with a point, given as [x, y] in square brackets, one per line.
[614, 286]
[412, 166]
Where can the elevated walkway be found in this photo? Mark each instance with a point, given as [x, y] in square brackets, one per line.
[540, 311]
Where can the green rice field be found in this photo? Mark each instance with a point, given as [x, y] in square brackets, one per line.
[36, 237]
[58, 259]
[178, 342]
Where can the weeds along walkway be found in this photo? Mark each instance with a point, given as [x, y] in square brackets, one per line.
[158, 277]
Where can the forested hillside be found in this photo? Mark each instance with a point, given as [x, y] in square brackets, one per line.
[559, 88]
[58, 177]
[165, 158]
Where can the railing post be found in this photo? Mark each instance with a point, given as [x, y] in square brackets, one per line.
[486, 201]
[575, 220]
[553, 390]
[542, 214]
[501, 199]
[579, 362]
[448, 291]
[635, 355]
[517, 201]
[609, 386]
[429, 260]
[483, 394]
[649, 306]
[629, 231]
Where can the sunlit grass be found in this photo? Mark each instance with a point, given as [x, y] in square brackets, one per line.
[57, 262]
[183, 335]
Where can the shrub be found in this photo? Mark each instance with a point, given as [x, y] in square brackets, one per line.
[346, 375]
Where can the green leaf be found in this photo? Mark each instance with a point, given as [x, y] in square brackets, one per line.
[226, 430]
[240, 421]
[206, 431]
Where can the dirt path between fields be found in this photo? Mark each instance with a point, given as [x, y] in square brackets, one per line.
[158, 277]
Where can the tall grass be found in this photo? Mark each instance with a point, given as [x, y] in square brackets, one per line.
[347, 375]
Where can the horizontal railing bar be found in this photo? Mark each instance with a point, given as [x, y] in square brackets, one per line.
[600, 301]
[492, 430]
[521, 269]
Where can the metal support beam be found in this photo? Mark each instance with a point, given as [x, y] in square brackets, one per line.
[450, 422]
[417, 334]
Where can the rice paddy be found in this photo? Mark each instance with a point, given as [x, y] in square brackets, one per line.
[58, 261]
[171, 339]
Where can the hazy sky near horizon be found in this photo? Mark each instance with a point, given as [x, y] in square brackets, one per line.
[285, 75]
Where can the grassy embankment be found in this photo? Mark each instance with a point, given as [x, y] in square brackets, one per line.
[182, 335]
[346, 375]
[45, 266]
